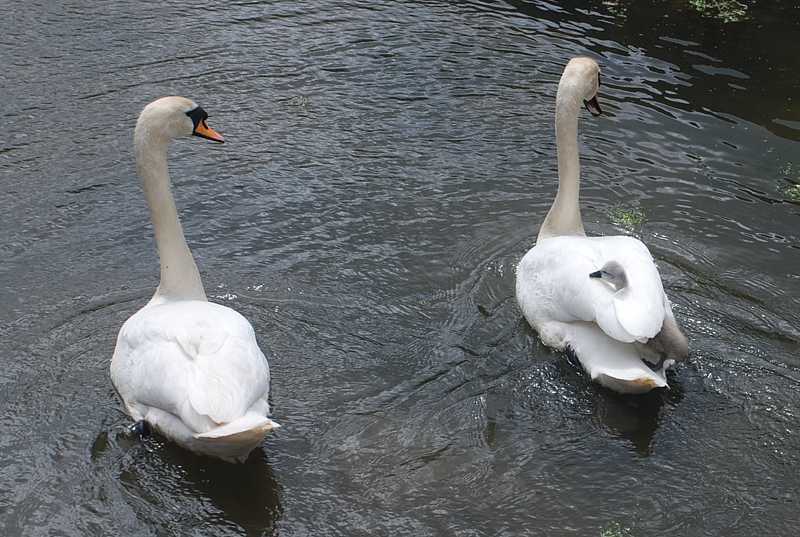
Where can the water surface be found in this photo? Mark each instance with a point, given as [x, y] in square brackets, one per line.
[388, 164]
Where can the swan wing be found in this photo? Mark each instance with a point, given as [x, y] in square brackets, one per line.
[553, 284]
[639, 308]
[613, 364]
[197, 360]
[552, 280]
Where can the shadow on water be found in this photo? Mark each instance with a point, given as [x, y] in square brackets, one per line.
[245, 494]
[635, 418]
[746, 72]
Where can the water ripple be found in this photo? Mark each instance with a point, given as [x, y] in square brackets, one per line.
[388, 164]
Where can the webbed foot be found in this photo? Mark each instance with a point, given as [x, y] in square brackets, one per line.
[141, 428]
[657, 367]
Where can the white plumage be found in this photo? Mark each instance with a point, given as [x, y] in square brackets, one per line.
[190, 368]
[193, 370]
[600, 297]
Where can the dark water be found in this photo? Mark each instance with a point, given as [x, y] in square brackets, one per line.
[389, 163]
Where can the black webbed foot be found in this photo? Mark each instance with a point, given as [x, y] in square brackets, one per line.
[656, 368]
[141, 428]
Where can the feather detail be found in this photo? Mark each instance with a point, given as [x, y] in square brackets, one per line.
[602, 325]
[194, 362]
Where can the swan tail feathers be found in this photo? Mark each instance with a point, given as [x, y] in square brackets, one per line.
[249, 425]
[611, 363]
[234, 441]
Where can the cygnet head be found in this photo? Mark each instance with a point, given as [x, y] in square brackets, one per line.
[582, 75]
[612, 274]
[172, 117]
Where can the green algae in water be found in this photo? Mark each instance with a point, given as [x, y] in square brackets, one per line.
[630, 218]
[615, 529]
[724, 10]
[792, 193]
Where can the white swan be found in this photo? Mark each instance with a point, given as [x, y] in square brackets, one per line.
[188, 367]
[601, 297]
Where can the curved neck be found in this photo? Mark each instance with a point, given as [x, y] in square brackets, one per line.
[180, 279]
[564, 217]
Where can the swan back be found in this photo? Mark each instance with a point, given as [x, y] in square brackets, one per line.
[196, 360]
[554, 282]
[605, 327]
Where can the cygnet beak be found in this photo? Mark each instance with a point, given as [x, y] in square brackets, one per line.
[593, 106]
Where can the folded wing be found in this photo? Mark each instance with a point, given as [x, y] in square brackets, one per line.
[196, 360]
[557, 274]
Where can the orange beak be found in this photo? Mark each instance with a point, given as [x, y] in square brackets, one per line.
[204, 131]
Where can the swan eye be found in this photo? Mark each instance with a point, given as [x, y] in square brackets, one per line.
[200, 127]
[198, 117]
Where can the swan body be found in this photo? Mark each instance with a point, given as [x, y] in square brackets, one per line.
[190, 368]
[600, 297]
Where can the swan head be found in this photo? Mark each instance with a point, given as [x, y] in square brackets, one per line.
[613, 275]
[583, 74]
[173, 117]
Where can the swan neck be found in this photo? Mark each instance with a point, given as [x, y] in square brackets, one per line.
[180, 279]
[564, 217]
